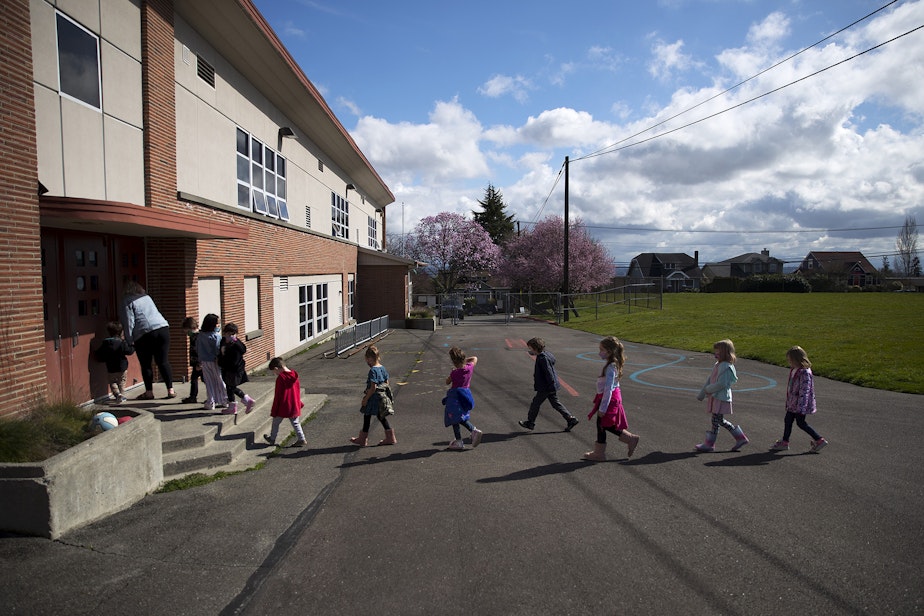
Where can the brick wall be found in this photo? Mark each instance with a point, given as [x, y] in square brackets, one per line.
[22, 359]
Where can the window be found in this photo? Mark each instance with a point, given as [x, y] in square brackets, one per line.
[339, 216]
[308, 217]
[305, 313]
[261, 178]
[313, 318]
[205, 71]
[351, 295]
[78, 62]
[373, 232]
[320, 311]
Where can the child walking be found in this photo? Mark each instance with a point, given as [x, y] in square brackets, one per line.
[459, 401]
[287, 402]
[376, 400]
[718, 395]
[114, 353]
[800, 400]
[608, 409]
[231, 360]
[546, 385]
[208, 344]
[192, 332]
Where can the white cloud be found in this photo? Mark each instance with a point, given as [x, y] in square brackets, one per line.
[804, 157]
[501, 85]
[668, 58]
[445, 148]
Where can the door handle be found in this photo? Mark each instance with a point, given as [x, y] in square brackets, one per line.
[75, 339]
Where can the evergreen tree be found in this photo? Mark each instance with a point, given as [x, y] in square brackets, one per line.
[494, 219]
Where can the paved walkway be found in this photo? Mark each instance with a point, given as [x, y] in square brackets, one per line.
[521, 525]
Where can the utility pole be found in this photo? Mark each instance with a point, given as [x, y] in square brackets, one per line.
[566, 283]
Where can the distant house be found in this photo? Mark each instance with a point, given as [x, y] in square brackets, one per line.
[678, 271]
[852, 267]
[744, 266]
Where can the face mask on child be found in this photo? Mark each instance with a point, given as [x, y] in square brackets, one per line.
[603, 355]
[230, 337]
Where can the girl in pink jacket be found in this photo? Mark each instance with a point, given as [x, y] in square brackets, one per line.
[800, 400]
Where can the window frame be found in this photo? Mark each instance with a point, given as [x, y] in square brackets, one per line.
[264, 166]
[339, 216]
[98, 103]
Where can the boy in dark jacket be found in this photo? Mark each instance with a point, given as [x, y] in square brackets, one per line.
[114, 353]
[545, 382]
[192, 331]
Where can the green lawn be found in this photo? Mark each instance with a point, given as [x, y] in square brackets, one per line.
[869, 339]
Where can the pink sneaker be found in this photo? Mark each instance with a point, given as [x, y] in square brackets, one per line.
[780, 446]
[819, 445]
[248, 403]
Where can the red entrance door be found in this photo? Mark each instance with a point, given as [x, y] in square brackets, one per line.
[82, 277]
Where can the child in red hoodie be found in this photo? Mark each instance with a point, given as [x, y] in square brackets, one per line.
[287, 402]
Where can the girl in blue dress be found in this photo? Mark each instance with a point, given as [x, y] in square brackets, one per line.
[373, 405]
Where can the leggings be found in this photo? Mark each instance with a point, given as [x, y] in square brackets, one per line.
[232, 380]
[719, 421]
[458, 433]
[601, 431]
[799, 418]
[367, 420]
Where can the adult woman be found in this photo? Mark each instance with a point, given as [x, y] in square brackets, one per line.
[149, 331]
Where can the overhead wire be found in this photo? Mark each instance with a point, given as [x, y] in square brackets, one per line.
[737, 85]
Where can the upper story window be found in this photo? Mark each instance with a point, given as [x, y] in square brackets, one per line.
[261, 178]
[373, 232]
[78, 62]
[339, 216]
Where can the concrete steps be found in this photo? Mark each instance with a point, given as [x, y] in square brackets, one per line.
[200, 441]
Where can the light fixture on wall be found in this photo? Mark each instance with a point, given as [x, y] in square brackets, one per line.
[346, 193]
[285, 132]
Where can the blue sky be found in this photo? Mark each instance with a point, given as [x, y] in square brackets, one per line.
[444, 98]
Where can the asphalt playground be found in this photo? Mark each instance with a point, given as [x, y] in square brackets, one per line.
[521, 525]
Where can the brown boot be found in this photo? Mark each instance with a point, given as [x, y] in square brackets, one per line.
[362, 440]
[597, 455]
[629, 439]
[389, 438]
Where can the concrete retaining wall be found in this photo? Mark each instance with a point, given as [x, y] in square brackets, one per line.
[98, 477]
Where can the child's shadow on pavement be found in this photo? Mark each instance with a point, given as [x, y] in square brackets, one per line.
[556, 468]
[660, 457]
[760, 458]
[394, 457]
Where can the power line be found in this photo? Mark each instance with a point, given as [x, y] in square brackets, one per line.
[751, 100]
[737, 85]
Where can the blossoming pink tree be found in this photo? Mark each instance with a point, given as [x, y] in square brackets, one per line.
[535, 259]
[454, 247]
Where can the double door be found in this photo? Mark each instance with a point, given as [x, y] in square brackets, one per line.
[82, 280]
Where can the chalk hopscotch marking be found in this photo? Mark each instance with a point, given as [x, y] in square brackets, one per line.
[638, 374]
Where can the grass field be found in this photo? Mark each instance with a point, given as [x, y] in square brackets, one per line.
[869, 339]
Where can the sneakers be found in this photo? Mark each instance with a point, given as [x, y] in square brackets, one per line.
[208, 406]
[782, 445]
[248, 404]
[299, 443]
[476, 437]
[456, 445]
[189, 400]
[269, 441]
[121, 400]
[819, 445]
[527, 424]
[148, 395]
[572, 421]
